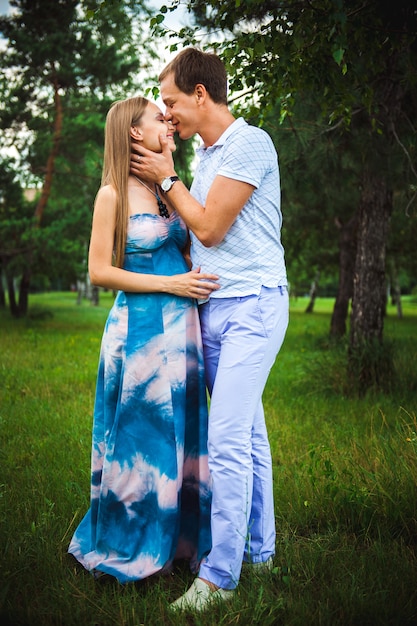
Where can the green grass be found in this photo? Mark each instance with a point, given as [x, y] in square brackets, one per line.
[345, 481]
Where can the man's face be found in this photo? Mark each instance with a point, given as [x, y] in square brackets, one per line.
[181, 109]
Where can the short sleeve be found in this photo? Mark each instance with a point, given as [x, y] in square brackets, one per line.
[249, 155]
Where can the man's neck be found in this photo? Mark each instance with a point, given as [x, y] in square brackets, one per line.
[219, 120]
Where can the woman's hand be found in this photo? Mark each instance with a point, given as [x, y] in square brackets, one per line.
[193, 284]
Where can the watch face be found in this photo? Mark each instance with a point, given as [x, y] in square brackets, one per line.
[166, 184]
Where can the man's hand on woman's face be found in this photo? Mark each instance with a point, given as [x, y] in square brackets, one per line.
[153, 166]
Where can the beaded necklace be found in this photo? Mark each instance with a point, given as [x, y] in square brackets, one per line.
[163, 211]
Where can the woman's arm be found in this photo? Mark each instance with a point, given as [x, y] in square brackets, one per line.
[191, 284]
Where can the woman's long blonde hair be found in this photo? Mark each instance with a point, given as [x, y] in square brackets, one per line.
[116, 165]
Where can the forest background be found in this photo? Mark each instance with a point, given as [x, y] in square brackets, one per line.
[334, 83]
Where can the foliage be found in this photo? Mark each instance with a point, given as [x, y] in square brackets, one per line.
[320, 190]
[52, 44]
[321, 186]
[333, 66]
[15, 213]
[402, 238]
[344, 472]
[64, 64]
[357, 61]
[183, 157]
[275, 49]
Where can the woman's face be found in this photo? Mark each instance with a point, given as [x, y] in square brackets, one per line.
[153, 124]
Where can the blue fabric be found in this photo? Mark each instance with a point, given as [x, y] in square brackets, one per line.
[150, 485]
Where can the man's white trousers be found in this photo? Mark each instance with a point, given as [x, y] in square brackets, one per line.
[241, 337]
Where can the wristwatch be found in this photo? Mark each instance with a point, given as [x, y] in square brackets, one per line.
[168, 182]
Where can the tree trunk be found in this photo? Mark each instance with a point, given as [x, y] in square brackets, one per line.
[2, 293]
[24, 291]
[43, 200]
[396, 290]
[369, 283]
[398, 302]
[313, 293]
[347, 253]
[50, 164]
[12, 296]
[95, 295]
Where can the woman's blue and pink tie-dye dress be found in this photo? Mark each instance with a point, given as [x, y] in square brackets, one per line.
[150, 487]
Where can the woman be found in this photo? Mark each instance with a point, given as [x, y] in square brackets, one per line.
[150, 491]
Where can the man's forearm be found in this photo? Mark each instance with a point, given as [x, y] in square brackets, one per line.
[192, 212]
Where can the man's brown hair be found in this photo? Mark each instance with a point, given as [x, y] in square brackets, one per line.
[192, 67]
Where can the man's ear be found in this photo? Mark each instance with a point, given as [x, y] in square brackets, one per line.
[136, 133]
[200, 92]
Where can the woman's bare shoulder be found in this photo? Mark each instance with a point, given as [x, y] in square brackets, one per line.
[105, 202]
[106, 193]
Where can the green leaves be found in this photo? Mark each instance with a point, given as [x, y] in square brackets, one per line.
[69, 61]
[338, 55]
[157, 19]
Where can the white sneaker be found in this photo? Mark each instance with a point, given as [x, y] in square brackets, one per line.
[199, 596]
[263, 567]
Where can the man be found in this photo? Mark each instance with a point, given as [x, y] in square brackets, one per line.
[233, 213]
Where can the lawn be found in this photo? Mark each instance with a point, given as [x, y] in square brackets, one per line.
[345, 481]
